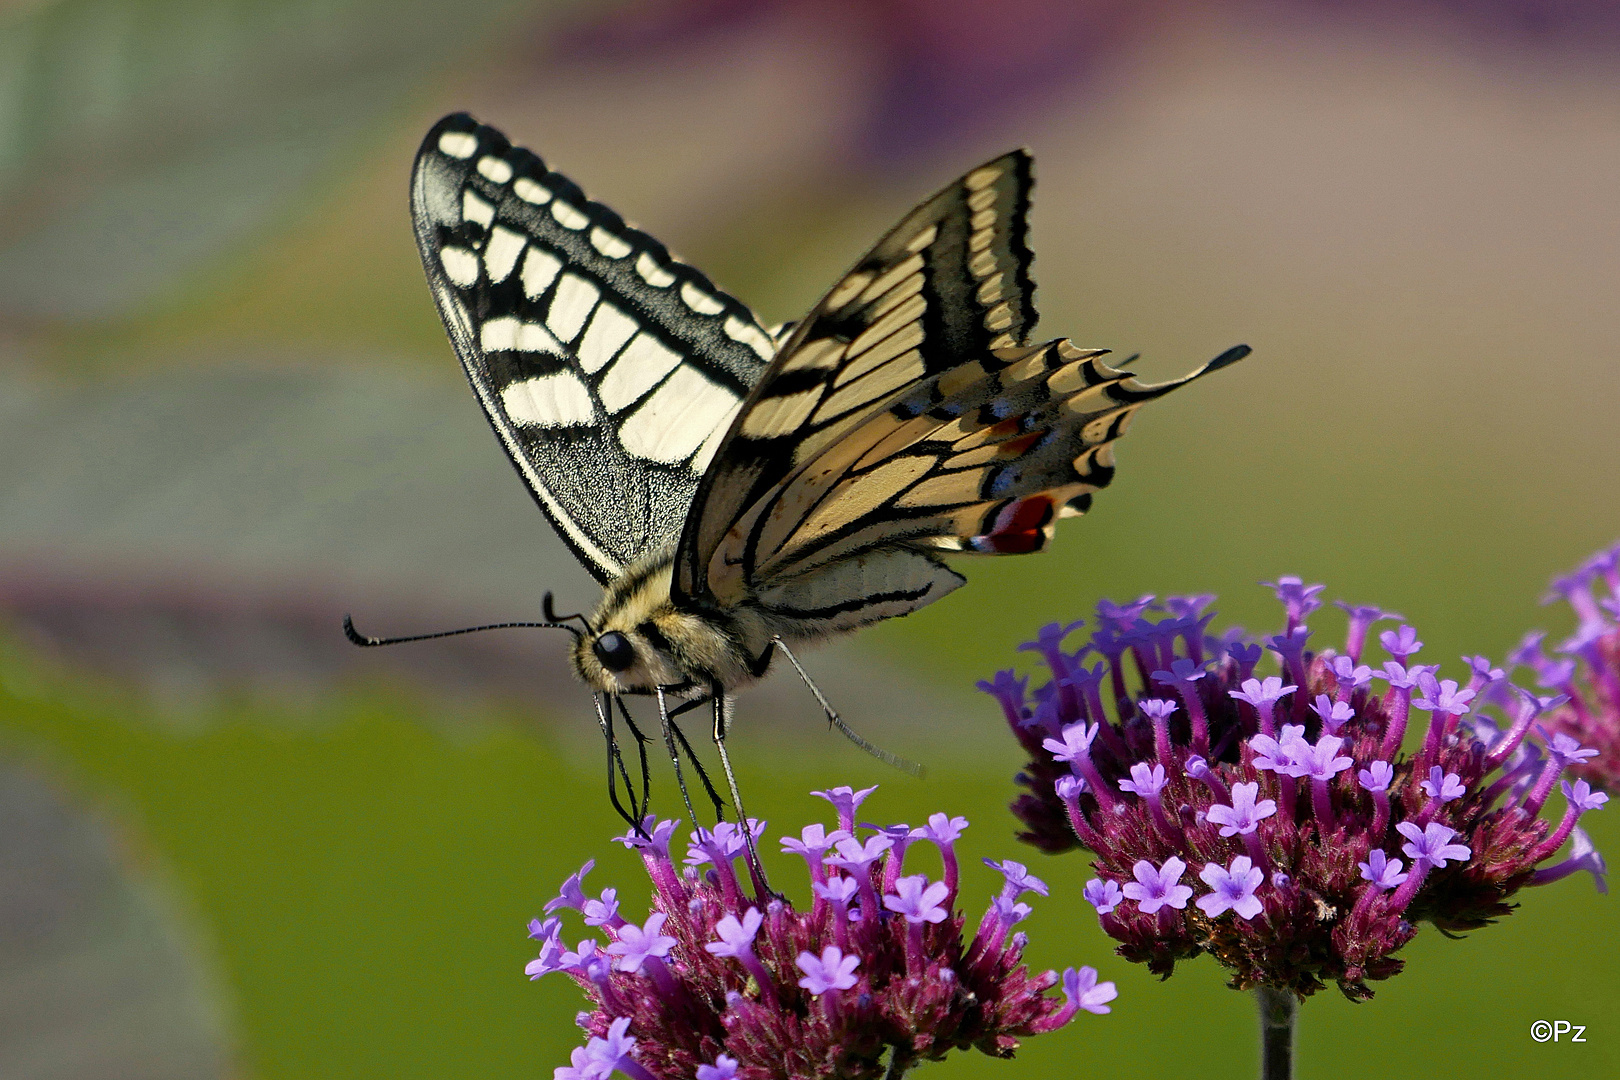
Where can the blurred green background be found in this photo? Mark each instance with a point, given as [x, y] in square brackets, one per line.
[231, 847]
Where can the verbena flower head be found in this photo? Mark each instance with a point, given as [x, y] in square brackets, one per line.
[721, 984]
[1587, 672]
[1272, 820]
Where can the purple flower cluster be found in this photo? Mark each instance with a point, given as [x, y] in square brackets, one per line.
[1273, 821]
[719, 984]
[1587, 673]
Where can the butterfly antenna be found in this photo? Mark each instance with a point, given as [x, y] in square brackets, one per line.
[368, 642]
[604, 717]
[756, 869]
[903, 764]
[552, 616]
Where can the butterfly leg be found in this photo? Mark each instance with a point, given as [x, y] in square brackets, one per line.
[604, 717]
[834, 719]
[703, 774]
[756, 869]
[641, 751]
[674, 754]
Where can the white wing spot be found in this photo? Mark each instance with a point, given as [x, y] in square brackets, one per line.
[531, 192]
[571, 306]
[502, 251]
[507, 333]
[923, 239]
[610, 328]
[981, 178]
[539, 271]
[569, 217]
[746, 332]
[652, 273]
[700, 301]
[557, 400]
[494, 169]
[458, 144]
[460, 266]
[613, 247]
[639, 368]
[477, 209]
[678, 418]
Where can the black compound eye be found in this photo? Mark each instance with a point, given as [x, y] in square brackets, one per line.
[615, 651]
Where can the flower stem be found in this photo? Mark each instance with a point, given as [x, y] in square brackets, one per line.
[1278, 1011]
[900, 1062]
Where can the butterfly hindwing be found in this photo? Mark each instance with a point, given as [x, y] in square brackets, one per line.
[943, 289]
[609, 370]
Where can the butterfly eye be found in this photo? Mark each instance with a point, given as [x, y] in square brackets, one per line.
[615, 651]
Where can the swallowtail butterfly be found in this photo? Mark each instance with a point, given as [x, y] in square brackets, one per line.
[740, 490]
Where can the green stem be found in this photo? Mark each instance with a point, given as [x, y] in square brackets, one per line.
[1278, 1011]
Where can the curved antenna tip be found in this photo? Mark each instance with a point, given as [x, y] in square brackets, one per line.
[355, 636]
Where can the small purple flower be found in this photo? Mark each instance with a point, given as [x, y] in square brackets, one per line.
[736, 935]
[603, 911]
[1075, 743]
[724, 1068]
[846, 800]
[1581, 796]
[1182, 672]
[839, 890]
[941, 829]
[1318, 761]
[1102, 895]
[1443, 785]
[1233, 888]
[1377, 776]
[1350, 676]
[1156, 887]
[855, 856]
[1431, 845]
[1400, 643]
[1443, 696]
[917, 900]
[1567, 751]
[638, 944]
[1245, 814]
[814, 840]
[1282, 754]
[831, 971]
[1258, 692]
[573, 892]
[1146, 781]
[1084, 992]
[1334, 714]
[1299, 598]
[1018, 878]
[1381, 870]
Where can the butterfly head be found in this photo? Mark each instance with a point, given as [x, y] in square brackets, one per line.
[640, 640]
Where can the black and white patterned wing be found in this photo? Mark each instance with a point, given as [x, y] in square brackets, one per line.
[609, 370]
[945, 288]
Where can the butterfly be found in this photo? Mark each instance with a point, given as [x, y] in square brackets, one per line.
[741, 490]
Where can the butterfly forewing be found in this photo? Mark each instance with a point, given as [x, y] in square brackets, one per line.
[609, 370]
[945, 288]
